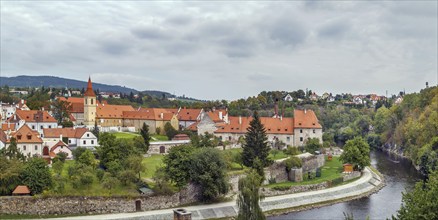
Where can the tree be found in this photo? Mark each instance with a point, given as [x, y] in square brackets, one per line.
[169, 130]
[61, 110]
[57, 167]
[36, 175]
[208, 169]
[177, 164]
[144, 132]
[249, 197]
[95, 130]
[109, 181]
[162, 185]
[134, 163]
[421, 202]
[356, 152]
[87, 158]
[12, 151]
[312, 145]
[256, 143]
[9, 175]
[78, 152]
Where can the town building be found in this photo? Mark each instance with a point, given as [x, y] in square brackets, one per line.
[73, 137]
[90, 106]
[35, 119]
[29, 142]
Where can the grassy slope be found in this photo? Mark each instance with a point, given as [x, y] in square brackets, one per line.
[152, 163]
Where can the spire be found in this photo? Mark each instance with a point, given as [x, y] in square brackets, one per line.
[89, 91]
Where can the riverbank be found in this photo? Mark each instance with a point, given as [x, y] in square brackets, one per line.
[369, 183]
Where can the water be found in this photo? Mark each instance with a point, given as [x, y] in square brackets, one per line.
[399, 175]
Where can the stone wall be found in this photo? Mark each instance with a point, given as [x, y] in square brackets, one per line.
[38, 205]
[293, 189]
[312, 162]
[276, 171]
[352, 175]
[296, 175]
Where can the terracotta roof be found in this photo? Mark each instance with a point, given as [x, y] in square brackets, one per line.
[89, 91]
[189, 114]
[272, 125]
[76, 104]
[26, 135]
[58, 144]
[66, 132]
[112, 111]
[21, 190]
[215, 115]
[10, 126]
[3, 137]
[193, 127]
[33, 116]
[72, 100]
[160, 114]
[72, 118]
[305, 119]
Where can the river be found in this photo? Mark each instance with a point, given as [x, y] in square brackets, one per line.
[399, 175]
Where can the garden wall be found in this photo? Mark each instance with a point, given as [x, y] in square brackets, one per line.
[62, 205]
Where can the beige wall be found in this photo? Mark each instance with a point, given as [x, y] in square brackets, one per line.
[89, 110]
[110, 122]
[302, 134]
[138, 124]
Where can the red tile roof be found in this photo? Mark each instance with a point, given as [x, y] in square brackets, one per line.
[189, 114]
[59, 144]
[272, 125]
[3, 137]
[26, 135]
[66, 132]
[112, 111]
[33, 116]
[89, 91]
[306, 119]
[10, 126]
[215, 115]
[159, 114]
[193, 127]
[21, 190]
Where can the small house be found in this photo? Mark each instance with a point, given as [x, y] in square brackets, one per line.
[348, 168]
[21, 190]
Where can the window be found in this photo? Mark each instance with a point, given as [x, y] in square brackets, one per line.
[91, 101]
[86, 101]
[84, 142]
[314, 131]
[33, 127]
[19, 137]
[36, 147]
[288, 139]
[24, 147]
[69, 141]
[88, 135]
[41, 127]
[301, 130]
[301, 139]
[92, 141]
[229, 138]
[50, 126]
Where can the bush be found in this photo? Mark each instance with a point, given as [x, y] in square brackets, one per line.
[293, 162]
[281, 188]
[291, 151]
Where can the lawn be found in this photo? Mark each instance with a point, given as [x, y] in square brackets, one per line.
[278, 155]
[125, 135]
[152, 163]
[330, 171]
[158, 137]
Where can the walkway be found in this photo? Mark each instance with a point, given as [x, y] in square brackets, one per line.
[367, 183]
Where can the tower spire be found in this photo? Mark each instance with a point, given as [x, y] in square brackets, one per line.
[89, 91]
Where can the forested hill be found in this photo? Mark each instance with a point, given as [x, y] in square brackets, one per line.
[58, 82]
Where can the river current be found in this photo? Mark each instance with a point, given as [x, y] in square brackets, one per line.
[399, 175]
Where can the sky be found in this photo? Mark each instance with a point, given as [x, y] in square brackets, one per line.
[226, 49]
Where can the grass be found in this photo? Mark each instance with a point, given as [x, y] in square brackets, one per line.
[151, 163]
[330, 171]
[125, 135]
[159, 137]
[279, 155]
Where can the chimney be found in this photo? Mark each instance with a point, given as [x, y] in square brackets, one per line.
[305, 111]
[276, 108]
[22, 101]
[281, 118]
[60, 137]
[240, 120]
[220, 115]
[161, 115]
[15, 117]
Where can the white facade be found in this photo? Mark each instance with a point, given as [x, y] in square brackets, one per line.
[303, 134]
[39, 126]
[88, 140]
[6, 111]
[29, 149]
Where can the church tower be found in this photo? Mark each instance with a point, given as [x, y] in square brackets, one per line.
[90, 105]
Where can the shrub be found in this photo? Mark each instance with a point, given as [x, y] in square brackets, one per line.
[281, 188]
[293, 162]
[291, 151]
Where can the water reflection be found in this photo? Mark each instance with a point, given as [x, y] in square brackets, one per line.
[399, 174]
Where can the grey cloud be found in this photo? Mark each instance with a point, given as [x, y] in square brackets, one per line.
[260, 77]
[334, 29]
[180, 20]
[148, 32]
[286, 31]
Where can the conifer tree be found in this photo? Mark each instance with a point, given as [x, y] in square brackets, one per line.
[144, 132]
[256, 143]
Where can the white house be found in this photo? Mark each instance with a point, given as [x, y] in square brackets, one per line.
[36, 120]
[28, 141]
[6, 111]
[288, 98]
[74, 137]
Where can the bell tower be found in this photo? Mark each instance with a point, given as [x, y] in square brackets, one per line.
[90, 105]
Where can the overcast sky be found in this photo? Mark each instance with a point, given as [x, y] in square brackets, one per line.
[226, 50]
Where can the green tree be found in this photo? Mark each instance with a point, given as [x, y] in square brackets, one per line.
[144, 132]
[177, 164]
[256, 143]
[78, 152]
[12, 151]
[134, 163]
[312, 145]
[249, 197]
[421, 202]
[109, 181]
[356, 152]
[208, 169]
[169, 130]
[96, 130]
[36, 175]
[9, 175]
[87, 158]
[162, 185]
[61, 110]
[57, 167]
[140, 145]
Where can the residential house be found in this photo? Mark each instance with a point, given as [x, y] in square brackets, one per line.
[314, 97]
[57, 148]
[358, 100]
[74, 137]
[153, 117]
[22, 105]
[110, 117]
[187, 117]
[398, 100]
[6, 111]
[35, 119]
[76, 108]
[306, 126]
[28, 141]
[288, 98]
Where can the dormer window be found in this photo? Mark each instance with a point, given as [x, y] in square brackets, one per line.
[29, 136]
[299, 123]
[19, 137]
[278, 129]
[313, 123]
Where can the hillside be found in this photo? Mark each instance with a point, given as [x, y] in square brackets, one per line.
[58, 82]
